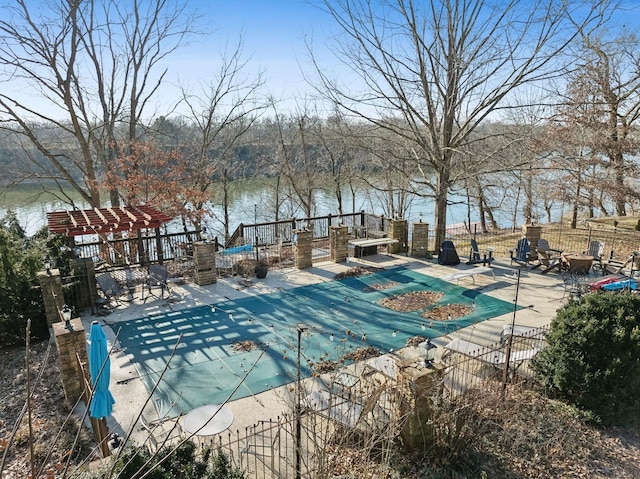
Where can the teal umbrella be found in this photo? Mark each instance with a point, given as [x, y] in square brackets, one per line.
[100, 368]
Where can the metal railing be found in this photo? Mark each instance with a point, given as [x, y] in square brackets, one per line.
[268, 448]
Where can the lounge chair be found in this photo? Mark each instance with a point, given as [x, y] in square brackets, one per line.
[491, 356]
[475, 257]
[521, 253]
[111, 289]
[368, 415]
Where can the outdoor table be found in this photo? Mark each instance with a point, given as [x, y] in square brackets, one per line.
[578, 262]
[207, 420]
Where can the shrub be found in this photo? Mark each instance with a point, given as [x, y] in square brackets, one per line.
[20, 296]
[592, 357]
[186, 462]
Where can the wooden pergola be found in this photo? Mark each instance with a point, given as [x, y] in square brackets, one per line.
[103, 221]
[106, 221]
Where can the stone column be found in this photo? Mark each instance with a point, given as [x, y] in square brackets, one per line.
[303, 248]
[85, 273]
[418, 385]
[51, 286]
[338, 243]
[398, 229]
[204, 258]
[69, 342]
[532, 233]
[420, 240]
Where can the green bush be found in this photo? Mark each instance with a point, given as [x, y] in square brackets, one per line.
[593, 356]
[20, 295]
[186, 462]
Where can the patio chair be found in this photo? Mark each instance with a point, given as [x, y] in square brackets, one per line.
[493, 357]
[475, 257]
[596, 249]
[573, 285]
[521, 252]
[161, 433]
[157, 278]
[547, 256]
[111, 289]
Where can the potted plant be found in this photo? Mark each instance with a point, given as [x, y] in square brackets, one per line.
[261, 268]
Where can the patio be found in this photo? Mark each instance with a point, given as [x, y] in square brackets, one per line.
[539, 295]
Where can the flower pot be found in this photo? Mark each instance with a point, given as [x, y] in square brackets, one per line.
[261, 270]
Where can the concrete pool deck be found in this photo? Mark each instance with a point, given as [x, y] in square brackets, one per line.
[539, 295]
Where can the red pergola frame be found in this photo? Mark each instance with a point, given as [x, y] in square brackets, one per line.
[105, 220]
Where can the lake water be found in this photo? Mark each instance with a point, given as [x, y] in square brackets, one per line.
[251, 200]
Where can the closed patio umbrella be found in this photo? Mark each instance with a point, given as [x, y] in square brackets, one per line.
[100, 368]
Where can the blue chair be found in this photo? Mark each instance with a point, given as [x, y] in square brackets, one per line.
[521, 253]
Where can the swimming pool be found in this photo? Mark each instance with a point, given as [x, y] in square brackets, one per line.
[340, 316]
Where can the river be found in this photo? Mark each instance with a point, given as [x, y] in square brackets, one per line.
[250, 200]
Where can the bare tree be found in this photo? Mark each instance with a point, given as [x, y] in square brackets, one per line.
[222, 112]
[78, 76]
[603, 107]
[439, 69]
[296, 155]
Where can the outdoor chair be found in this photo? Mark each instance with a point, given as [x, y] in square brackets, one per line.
[111, 289]
[596, 249]
[161, 433]
[491, 356]
[521, 252]
[475, 257]
[365, 414]
[157, 278]
[573, 285]
[547, 256]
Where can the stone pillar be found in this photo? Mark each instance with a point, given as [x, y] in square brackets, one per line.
[398, 229]
[51, 287]
[204, 258]
[338, 243]
[85, 273]
[420, 240]
[70, 342]
[303, 248]
[532, 233]
[418, 385]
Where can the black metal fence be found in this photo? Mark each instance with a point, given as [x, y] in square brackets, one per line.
[268, 448]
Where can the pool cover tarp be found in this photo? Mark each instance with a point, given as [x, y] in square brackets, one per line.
[341, 316]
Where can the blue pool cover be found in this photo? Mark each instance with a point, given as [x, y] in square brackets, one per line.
[341, 316]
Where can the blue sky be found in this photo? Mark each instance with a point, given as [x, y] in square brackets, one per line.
[274, 34]
[273, 31]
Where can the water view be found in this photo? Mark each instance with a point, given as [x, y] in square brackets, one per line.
[251, 200]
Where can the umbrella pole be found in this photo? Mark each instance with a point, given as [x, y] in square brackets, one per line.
[99, 426]
[101, 432]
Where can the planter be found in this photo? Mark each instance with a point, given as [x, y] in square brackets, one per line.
[261, 270]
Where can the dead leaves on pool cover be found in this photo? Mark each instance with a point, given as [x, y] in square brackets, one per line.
[423, 299]
[411, 301]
